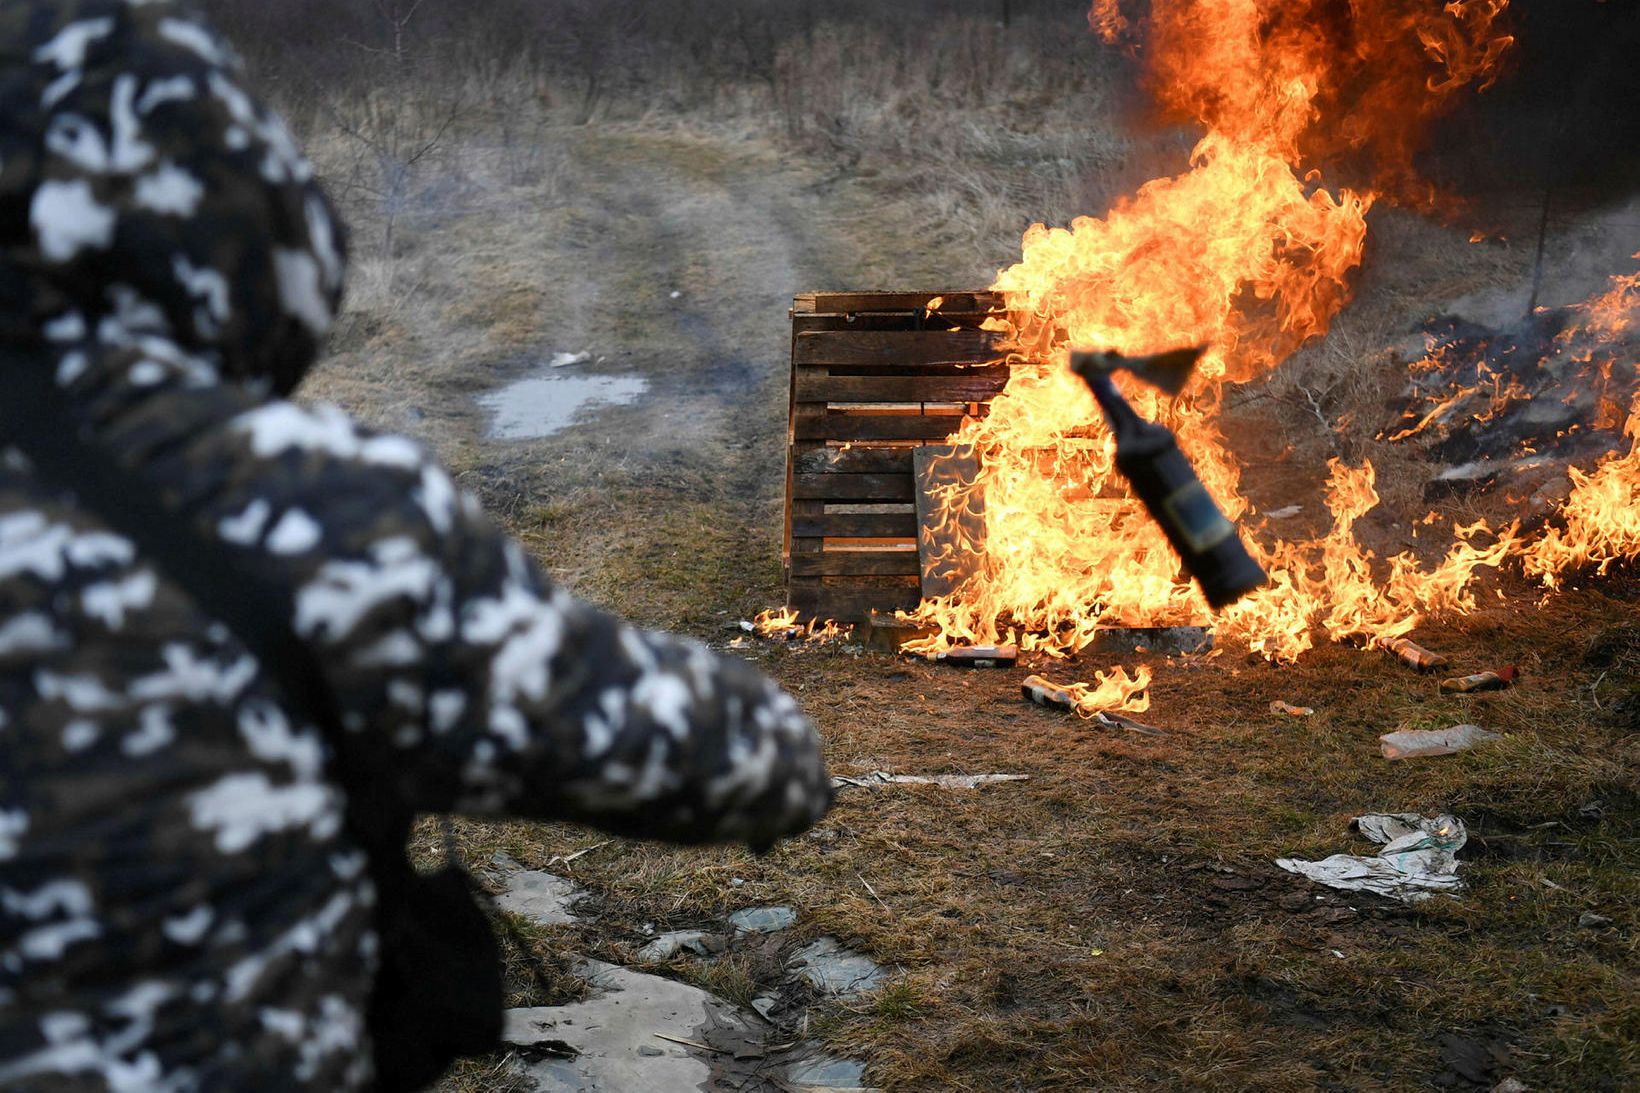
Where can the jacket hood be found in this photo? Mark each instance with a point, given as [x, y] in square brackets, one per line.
[144, 194]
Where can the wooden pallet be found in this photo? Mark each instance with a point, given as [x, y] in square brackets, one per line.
[874, 376]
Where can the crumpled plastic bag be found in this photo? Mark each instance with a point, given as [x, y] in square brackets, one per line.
[1418, 859]
[1414, 744]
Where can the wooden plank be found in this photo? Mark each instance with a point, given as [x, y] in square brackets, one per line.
[798, 511]
[888, 320]
[835, 302]
[817, 386]
[853, 487]
[812, 426]
[857, 525]
[828, 460]
[873, 563]
[871, 544]
[849, 604]
[898, 348]
[949, 548]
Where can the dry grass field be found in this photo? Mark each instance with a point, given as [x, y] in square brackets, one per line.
[1115, 922]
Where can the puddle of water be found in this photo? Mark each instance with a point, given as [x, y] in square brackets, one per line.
[538, 406]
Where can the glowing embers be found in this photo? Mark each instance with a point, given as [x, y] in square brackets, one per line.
[1496, 405]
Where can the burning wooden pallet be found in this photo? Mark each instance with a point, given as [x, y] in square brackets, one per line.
[874, 377]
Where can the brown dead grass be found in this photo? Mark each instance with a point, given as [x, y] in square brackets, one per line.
[1116, 922]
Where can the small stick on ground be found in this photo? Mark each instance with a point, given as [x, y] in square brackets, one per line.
[565, 859]
[873, 892]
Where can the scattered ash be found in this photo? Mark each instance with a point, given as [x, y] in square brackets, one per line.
[1516, 407]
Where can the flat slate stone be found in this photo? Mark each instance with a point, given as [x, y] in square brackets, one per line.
[543, 898]
[617, 1035]
[832, 969]
[625, 1038]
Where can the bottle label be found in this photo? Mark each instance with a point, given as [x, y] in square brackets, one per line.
[1194, 513]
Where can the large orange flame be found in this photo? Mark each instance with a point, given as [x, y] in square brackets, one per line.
[1601, 518]
[1247, 252]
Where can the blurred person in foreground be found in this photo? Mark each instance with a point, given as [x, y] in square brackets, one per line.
[185, 901]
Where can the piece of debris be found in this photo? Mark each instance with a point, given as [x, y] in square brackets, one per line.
[1045, 693]
[1419, 743]
[978, 656]
[1038, 690]
[832, 969]
[773, 632]
[944, 781]
[1510, 1085]
[1481, 681]
[762, 920]
[1164, 640]
[543, 898]
[1588, 920]
[1280, 706]
[1418, 859]
[1286, 512]
[888, 633]
[564, 360]
[671, 944]
[1414, 655]
[1126, 724]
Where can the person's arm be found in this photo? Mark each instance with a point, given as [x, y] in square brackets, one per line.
[489, 690]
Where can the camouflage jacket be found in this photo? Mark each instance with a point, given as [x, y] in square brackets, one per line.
[181, 906]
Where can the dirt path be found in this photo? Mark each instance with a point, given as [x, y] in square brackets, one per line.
[670, 257]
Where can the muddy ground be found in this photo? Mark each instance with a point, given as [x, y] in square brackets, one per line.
[1114, 922]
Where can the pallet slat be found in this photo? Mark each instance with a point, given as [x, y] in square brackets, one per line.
[843, 302]
[815, 386]
[803, 323]
[857, 525]
[828, 460]
[857, 563]
[853, 487]
[850, 604]
[898, 348]
[811, 426]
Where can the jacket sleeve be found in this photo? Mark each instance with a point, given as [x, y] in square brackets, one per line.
[487, 689]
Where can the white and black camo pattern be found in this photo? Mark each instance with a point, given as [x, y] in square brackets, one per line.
[181, 907]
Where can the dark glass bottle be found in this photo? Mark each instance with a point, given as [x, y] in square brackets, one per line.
[1148, 456]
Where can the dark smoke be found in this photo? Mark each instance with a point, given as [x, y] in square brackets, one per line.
[1566, 115]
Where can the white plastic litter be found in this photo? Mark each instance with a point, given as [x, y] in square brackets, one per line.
[1417, 743]
[564, 360]
[1418, 859]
